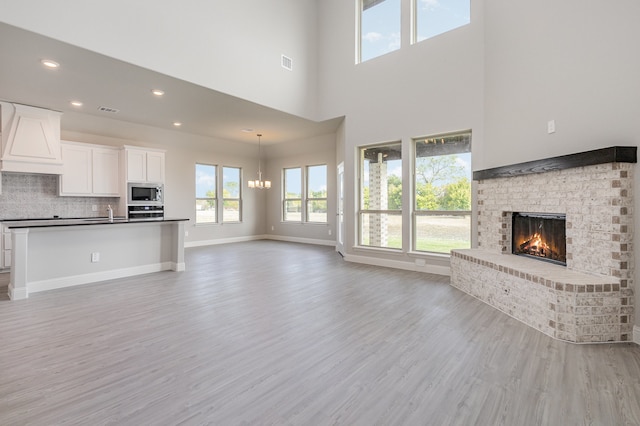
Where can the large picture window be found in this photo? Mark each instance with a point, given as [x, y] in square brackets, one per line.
[231, 201]
[206, 200]
[442, 197]
[379, 28]
[380, 212]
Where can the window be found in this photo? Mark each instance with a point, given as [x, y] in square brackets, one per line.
[231, 202]
[435, 17]
[379, 28]
[292, 200]
[442, 197]
[206, 202]
[380, 212]
[316, 194]
[314, 197]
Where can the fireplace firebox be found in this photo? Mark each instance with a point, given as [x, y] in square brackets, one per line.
[541, 236]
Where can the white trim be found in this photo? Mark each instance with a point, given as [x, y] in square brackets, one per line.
[301, 240]
[222, 241]
[62, 282]
[408, 266]
[260, 237]
[18, 294]
[636, 334]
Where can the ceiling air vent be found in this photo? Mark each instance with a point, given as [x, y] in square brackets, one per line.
[109, 110]
[287, 63]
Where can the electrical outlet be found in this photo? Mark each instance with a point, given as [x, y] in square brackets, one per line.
[94, 208]
[551, 126]
[186, 233]
[273, 228]
[329, 231]
[95, 257]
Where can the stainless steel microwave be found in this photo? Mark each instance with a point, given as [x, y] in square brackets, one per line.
[151, 194]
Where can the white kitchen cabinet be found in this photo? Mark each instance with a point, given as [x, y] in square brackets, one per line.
[30, 139]
[90, 170]
[106, 172]
[155, 166]
[76, 177]
[144, 165]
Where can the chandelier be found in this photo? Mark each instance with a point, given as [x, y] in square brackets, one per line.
[259, 183]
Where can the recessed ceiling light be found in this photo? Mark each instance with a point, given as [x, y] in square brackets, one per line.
[157, 92]
[177, 123]
[76, 103]
[50, 64]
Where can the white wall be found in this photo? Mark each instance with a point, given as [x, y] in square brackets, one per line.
[574, 61]
[309, 152]
[230, 46]
[428, 88]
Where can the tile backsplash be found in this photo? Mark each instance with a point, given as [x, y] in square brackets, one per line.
[33, 196]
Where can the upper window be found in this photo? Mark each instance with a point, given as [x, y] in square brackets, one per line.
[317, 194]
[206, 201]
[380, 212]
[231, 201]
[442, 195]
[435, 17]
[379, 28]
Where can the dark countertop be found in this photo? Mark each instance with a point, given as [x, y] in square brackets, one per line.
[56, 222]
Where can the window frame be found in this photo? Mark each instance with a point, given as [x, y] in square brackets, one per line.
[359, 6]
[362, 211]
[208, 199]
[286, 199]
[415, 23]
[308, 199]
[238, 198]
[418, 213]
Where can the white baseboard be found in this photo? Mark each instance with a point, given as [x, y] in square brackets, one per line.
[330, 243]
[203, 243]
[18, 294]
[636, 334]
[54, 283]
[407, 266]
[259, 237]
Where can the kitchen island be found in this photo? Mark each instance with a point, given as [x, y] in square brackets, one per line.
[61, 253]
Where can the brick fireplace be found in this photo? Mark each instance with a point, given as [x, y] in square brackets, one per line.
[591, 298]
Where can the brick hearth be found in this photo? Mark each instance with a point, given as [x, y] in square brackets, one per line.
[589, 300]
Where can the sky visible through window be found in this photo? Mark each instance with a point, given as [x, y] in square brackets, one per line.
[439, 16]
[380, 24]
[316, 174]
[205, 180]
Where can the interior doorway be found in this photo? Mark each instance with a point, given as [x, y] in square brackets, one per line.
[340, 211]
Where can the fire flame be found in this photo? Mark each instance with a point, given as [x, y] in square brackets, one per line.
[536, 246]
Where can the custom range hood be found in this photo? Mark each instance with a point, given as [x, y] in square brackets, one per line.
[30, 139]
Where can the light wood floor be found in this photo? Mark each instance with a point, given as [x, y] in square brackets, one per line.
[278, 333]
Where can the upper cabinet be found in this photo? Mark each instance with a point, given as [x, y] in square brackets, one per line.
[144, 164]
[90, 170]
[30, 139]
